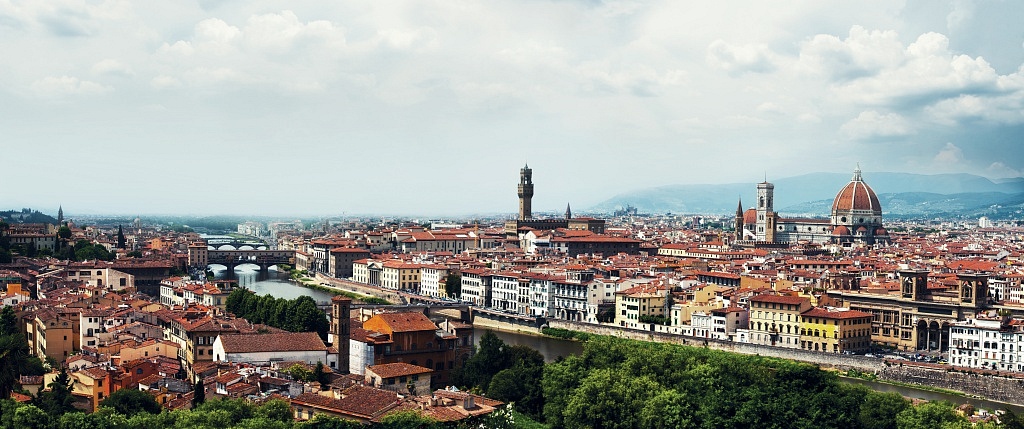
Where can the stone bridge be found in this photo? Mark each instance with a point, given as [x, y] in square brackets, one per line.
[202, 256]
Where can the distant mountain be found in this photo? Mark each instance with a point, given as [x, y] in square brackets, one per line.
[812, 194]
[26, 216]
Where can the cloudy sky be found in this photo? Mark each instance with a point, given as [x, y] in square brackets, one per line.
[431, 107]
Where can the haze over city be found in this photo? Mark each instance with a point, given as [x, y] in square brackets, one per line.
[432, 107]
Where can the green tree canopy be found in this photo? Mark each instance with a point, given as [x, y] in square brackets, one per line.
[130, 402]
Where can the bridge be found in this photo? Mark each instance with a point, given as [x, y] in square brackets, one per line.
[202, 256]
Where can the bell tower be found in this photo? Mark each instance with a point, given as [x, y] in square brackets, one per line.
[341, 308]
[765, 212]
[973, 289]
[525, 193]
[913, 284]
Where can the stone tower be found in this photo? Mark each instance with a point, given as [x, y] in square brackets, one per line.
[525, 193]
[973, 289]
[765, 212]
[568, 211]
[913, 284]
[739, 220]
[341, 318]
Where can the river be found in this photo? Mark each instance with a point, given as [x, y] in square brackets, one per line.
[552, 348]
[270, 282]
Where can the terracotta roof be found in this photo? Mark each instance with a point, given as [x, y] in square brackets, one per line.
[407, 322]
[779, 299]
[389, 370]
[856, 195]
[358, 401]
[280, 342]
[826, 313]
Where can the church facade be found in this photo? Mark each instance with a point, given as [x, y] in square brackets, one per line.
[856, 217]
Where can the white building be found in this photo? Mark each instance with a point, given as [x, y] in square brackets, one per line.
[987, 344]
[476, 287]
[540, 296]
[432, 280]
[505, 292]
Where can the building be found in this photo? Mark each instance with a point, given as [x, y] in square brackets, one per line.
[639, 301]
[775, 319]
[412, 338]
[402, 378]
[476, 287]
[995, 344]
[919, 314]
[342, 259]
[835, 330]
[257, 348]
[856, 217]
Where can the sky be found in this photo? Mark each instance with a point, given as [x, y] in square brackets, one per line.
[431, 106]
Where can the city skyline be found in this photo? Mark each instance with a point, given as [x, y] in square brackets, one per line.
[302, 107]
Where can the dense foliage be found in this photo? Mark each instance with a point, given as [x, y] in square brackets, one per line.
[226, 414]
[14, 354]
[506, 373]
[619, 383]
[296, 315]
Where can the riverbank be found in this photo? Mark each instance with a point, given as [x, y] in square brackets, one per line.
[310, 284]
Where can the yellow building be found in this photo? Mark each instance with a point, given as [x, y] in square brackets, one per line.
[835, 330]
[399, 275]
[775, 319]
[643, 300]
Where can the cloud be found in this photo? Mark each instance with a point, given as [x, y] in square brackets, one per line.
[999, 170]
[872, 124]
[926, 73]
[52, 86]
[862, 53]
[949, 156]
[739, 59]
[111, 67]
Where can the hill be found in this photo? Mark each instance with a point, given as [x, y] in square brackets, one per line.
[26, 216]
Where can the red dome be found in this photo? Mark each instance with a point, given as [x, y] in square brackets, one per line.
[841, 230]
[861, 230]
[857, 195]
[750, 217]
[881, 231]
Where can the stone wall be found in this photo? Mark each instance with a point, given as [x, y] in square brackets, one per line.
[484, 320]
[996, 388]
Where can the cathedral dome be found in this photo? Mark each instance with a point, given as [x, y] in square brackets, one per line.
[841, 230]
[856, 196]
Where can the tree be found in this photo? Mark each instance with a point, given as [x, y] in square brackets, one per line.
[323, 421]
[879, 410]
[609, 399]
[299, 372]
[58, 400]
[31, 416]
[275, 410]
[321, 376]
[14, 353]
[453, 285]
[929, 415]
[130, 402]
[198, 393]
[409, 420]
